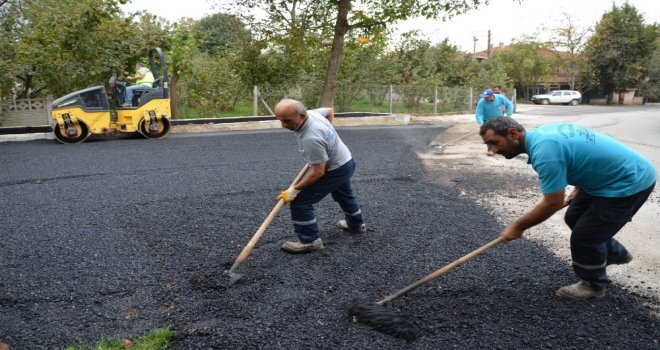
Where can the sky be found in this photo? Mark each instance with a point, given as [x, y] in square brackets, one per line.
[506, 19]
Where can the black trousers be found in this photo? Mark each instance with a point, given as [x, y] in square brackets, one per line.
[594, 221]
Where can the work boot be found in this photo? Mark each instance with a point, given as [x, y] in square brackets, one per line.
[344, 226]
[579, 291]
[621, 260]
[297, 247]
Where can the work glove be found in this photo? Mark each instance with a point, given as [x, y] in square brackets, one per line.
[288, 195]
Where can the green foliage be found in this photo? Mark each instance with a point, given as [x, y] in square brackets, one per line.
[482, 75]
[213, 62]
[303, 30]
[651, 87]
[157, 339]
[220, 32]
[9, 22]
[526, 64]
[65, 45]
[209, 85]
[183, 46]
[620, 49]
[442, 63]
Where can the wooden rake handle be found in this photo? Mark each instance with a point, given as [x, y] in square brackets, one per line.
[257, 235]
[456, 263]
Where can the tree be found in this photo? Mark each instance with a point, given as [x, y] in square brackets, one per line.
[525, 63]
[9, 22]
[443, 63]
[220, 32]
[61, 46]
[348, 15]
[619, 51]
[206, 57]
[183, 47]
[480, 75]
[651, 85]
[568, 42]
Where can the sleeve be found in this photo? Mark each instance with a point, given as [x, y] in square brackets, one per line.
[315, 151]
[550, 166]
[509, 105]
[322, 111]
[479, 112]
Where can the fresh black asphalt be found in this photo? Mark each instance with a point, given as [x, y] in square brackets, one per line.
[118, 236]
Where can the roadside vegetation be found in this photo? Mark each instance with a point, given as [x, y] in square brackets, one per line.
[157, 339]
[52, 47]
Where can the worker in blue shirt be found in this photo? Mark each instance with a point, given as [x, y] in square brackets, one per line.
[611, 181]
[490, 106]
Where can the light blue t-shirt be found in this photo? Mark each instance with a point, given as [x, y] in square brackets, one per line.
[488, 110]
[318, 141]
[570, 154]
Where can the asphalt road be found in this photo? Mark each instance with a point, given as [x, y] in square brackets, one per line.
[115, 237]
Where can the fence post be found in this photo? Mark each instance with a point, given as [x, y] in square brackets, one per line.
[435, 102]
[390, 98]
[255, 101]
[471, 101]
[47, 102]
[514, 100]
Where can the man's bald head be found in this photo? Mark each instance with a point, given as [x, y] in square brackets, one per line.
[290, 106]
[291, 113]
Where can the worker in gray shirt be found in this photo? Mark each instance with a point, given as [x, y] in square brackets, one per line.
[331, 168]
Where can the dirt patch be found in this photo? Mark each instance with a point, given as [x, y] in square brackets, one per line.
[513, 189]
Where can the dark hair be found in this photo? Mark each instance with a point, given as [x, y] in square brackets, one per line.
[501, 126]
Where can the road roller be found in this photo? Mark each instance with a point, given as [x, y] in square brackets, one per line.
[87, 112]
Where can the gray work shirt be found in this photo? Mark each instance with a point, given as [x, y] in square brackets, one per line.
[318, 141]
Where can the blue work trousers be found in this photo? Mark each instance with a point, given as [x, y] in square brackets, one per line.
[594, 221]
[131, 90]
[337, 183]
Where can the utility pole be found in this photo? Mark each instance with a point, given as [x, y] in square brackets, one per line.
[474, 46]
[488, 49]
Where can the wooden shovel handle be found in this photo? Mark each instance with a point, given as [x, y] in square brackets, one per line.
[456, 263]
[248, 248]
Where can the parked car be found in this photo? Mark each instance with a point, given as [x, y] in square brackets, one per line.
[567, 97]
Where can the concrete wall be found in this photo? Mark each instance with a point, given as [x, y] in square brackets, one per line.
[25, 112]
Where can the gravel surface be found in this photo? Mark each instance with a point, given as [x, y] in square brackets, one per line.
[115, 237]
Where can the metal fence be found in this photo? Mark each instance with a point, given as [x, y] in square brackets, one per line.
[394, 99]
[398, 99]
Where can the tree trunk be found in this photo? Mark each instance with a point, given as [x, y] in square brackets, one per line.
[174, 95]
[341, 28]
[27, 85]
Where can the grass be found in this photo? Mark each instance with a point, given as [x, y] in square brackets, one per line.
[158, 339]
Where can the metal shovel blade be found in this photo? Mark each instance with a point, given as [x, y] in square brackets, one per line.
[233, 276]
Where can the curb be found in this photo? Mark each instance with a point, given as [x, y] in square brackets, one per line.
[29, 133]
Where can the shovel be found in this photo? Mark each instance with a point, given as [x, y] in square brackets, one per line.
[233, 275]
[388, 321]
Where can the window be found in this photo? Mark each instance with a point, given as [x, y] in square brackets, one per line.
[91, 99]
